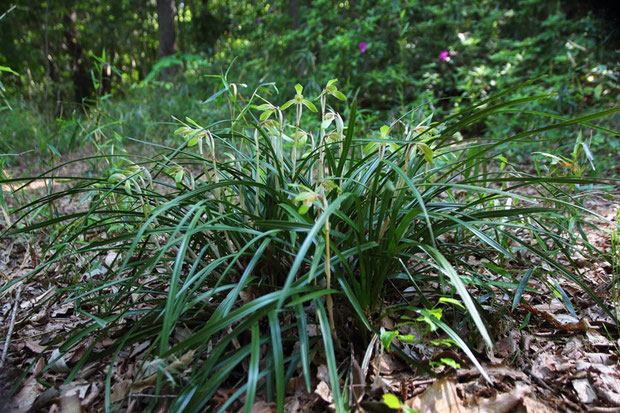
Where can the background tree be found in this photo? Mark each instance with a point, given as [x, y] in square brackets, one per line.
[82, 84]
[166, 34]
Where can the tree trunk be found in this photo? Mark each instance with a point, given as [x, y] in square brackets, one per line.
[166, 34]
[293, 11]
[82, 86]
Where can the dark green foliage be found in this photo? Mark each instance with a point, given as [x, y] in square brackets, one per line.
[489, 46]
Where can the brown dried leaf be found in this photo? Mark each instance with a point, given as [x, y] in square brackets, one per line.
[92, 396]
[358, 382]
[597, 339]
[505, 402]
[324, 392]
[547, 365]
[176, 366]
[562, 322]
[262, 407]
[584, 391]
[602, 358]
[322, 373]
[58, 363]
[440, 397]
[533, 406]
[34, 346]
[608, 387]
[23, 401]
[119, 390]
[70, 404]
[63, 311]
[313, 330]
[386, 364]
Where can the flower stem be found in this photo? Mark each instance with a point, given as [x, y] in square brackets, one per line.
[328, 278]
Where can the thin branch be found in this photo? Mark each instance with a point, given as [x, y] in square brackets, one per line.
[11, 326]
[8, 11]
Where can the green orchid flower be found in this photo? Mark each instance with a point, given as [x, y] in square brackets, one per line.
[299, 100]
[331, 89]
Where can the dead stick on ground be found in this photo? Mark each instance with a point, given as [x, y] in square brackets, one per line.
[11, 325]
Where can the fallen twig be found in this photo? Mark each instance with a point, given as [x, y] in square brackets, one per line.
[11, 326]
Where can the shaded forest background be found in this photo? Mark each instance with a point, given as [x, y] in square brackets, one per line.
[396, 55]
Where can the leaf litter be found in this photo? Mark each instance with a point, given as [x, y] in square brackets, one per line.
[550, 360]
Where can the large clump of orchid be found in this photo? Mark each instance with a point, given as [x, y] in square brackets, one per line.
[294, 161]
[313, 180]
[285, 216]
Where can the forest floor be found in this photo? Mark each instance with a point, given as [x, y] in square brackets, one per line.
[544, 360]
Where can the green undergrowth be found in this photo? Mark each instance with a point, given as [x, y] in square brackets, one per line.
[140, 113]
[221, 252]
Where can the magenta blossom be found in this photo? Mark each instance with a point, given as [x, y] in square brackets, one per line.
[363, 46]
[444, 55]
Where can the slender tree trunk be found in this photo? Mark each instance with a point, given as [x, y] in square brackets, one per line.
[166, 34]
[83, 88]
[144, 56]
[293, 11]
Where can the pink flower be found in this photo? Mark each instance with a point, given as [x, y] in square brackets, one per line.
[444, 55]
[363, 46]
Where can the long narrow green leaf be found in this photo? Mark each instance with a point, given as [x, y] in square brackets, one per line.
[305, 246]
[278, 358]
[252, 370]
[521, 288]
[446, 268]
[458, 340]
[304, 345]
[348, 139]
[330, 355]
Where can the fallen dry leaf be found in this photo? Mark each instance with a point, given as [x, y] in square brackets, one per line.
[324, 392]
[440, 397]
[44, 399]
[119, 390]
[139, 348]
[70, 404]
[92, 396]
[508, 345]
[63, 310]
[505, 402]
[500, 372]
[386, 364]
[23, 401]
[584, 391]
[602, 358]
[597, 339]
[262, 407]
[176, 366]
[58, 363]
[443, 397]
[608, 388]
[34, 346]
[357, 382]
[532, 406]
[322, 373]
[548, 366]
[562, 322]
